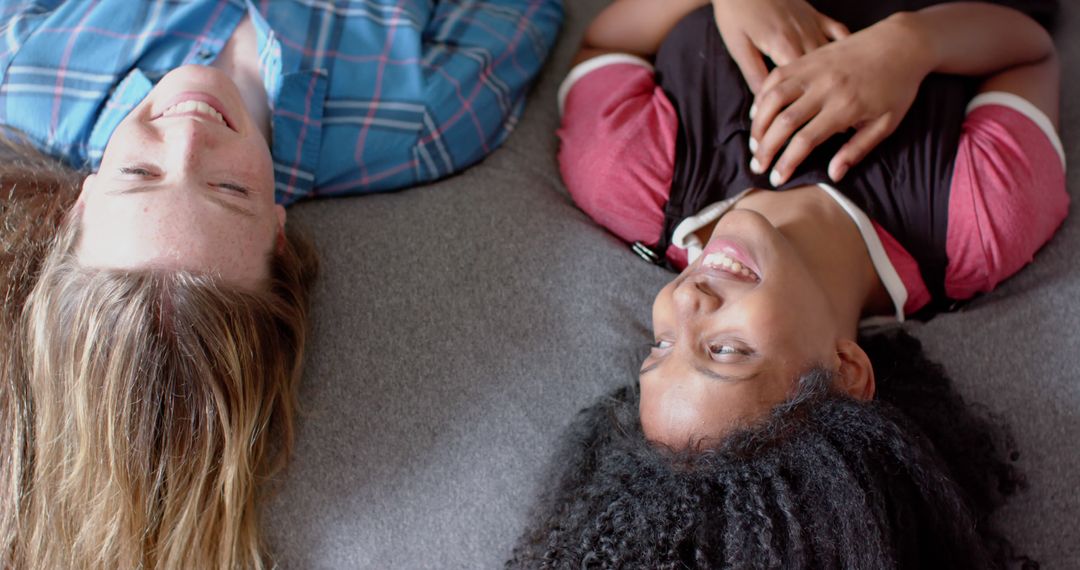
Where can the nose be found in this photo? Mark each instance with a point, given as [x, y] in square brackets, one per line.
[186, 141]
[695, 295]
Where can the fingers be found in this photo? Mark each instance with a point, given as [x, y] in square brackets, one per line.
[860, 145]
[834, 30]
[775, 95]
[824, 125]
[813, 39]
[750, 62]
[786, 50]
[780, 131]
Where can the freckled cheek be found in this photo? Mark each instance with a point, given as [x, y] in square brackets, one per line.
[246, 243]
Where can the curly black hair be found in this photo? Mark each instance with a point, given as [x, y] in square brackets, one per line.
[906, 481]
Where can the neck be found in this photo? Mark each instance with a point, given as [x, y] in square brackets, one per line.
[829, 241]
[239, 58]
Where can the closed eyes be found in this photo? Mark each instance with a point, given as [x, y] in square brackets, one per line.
[135, 171]
[233, 187]
[143, 172]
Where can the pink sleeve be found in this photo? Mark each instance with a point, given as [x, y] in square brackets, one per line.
[1007, 196]
[617, 149]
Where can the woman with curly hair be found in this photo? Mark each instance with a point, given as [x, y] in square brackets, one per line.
[893, 171]
[824, 480]
[155, 302]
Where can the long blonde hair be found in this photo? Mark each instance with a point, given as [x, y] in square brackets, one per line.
[150, 407]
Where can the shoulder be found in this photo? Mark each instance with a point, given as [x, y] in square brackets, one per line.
[1008, 194]
[617, 150]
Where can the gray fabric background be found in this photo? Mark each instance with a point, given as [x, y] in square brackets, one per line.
[459, 326]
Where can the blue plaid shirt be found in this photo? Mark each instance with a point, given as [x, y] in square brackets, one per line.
[366, 95]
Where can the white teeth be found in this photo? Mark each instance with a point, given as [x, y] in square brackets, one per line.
[728, 264]
[194, 107]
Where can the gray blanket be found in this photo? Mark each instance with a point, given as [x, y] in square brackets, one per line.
[459, 326]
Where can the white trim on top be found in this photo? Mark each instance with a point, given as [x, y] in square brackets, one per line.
[684, 237]
[592, 64]
[882, 264]
[1024, 107]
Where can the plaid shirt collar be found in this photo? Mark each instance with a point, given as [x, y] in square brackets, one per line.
[366, 96]
[296, 100]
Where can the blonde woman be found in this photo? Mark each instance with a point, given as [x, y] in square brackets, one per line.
[155, 305]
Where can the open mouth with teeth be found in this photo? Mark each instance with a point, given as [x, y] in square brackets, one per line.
[724, 263]
[195, 107]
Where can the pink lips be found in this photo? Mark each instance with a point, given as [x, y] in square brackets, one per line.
[735, 250]
[202, 97]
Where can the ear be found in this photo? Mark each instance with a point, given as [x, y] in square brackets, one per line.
[87, 186]
[856, 373]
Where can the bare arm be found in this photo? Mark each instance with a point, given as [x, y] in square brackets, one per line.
[1016, 54]
[781, 30]
[869, 80]
[634, 26]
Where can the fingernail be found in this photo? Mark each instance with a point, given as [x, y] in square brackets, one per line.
[755, 166]
[774, 178]
[753, 111]
[838, 172]
[753, 145]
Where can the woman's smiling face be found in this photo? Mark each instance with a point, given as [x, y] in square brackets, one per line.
[733, 333]
[186, 182]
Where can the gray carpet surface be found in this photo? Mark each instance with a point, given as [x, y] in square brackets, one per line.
[459, 326]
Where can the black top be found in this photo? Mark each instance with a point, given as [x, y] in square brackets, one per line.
[902, 185]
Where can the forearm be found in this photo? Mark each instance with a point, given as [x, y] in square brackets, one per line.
[970, 38]
[634, 26]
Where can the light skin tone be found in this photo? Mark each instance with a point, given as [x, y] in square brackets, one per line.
[728, 349]
[181, 188]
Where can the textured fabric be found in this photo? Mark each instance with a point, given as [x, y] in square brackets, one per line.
[366, 95]
[460, 326]
[1008, 199]
[618, 146]
[907, 268]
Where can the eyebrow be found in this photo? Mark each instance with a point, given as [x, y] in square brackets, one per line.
[135, 190]
[214, 197]
[648, 369]
[705, 371]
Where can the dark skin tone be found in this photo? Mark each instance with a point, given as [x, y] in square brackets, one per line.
[731, 342]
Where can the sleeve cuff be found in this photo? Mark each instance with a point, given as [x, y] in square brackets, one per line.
[1024, 107]
[592, 64]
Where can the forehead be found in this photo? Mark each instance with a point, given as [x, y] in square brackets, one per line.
[679, 400]
[691, 410]
[173, 228]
